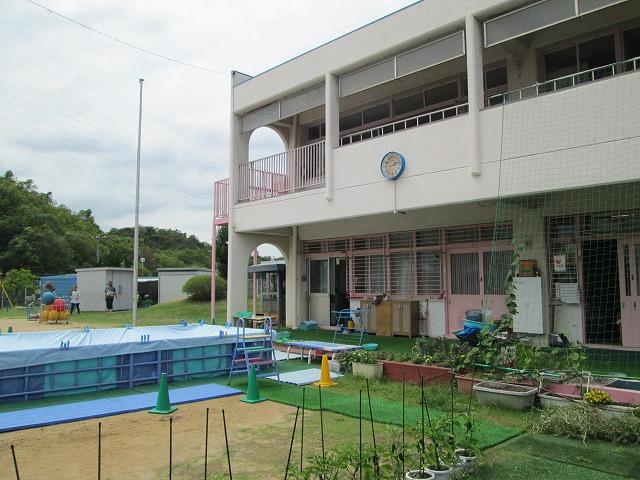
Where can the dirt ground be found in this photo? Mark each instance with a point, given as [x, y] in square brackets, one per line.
[23, 325]
[135, 446]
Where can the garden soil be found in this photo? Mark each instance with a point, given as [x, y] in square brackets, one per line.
[136, 446]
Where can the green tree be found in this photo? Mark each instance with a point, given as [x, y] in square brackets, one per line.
[16, 281]
[222, 251]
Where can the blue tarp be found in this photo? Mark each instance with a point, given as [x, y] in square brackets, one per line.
[63, 284]
[38, 348]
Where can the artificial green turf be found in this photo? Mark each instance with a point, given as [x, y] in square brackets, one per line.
[384, 411]
[530, 456]
[602, 456]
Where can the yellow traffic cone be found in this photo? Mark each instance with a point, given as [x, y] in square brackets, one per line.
[325, 377]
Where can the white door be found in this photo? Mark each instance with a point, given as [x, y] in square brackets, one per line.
[319, 301]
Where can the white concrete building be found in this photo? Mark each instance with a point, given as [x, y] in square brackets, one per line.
[514, 121]
[171, 281]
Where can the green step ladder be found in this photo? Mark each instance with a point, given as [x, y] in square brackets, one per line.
[254, 349]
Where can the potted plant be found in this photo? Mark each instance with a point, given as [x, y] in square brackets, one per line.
[366, 364]
[467, 448]
[603, 401]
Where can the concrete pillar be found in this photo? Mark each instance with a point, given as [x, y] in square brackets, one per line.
[291, 281]
[332, 125]
[475, 81]
[237, 261]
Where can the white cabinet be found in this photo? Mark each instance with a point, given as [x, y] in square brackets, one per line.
[529, 318]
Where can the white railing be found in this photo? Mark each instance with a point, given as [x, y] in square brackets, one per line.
[568, 81]
[221, 201]
[411, 122]
[283, 173]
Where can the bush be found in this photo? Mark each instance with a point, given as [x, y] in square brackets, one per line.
[199, 288]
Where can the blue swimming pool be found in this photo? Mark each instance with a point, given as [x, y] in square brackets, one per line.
[36, 365]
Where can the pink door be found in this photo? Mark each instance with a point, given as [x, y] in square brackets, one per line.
[629, 268]
[476, 281]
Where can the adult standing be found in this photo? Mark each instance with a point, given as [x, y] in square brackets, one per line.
[109, 296]
[75, 300]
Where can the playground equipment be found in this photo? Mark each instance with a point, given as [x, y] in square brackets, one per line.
[47, 298]
[350, 326]
[253, 350]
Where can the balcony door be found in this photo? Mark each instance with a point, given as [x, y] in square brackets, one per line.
[629, 271]
[476, 281]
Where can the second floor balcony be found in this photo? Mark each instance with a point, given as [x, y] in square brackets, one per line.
[287, 172]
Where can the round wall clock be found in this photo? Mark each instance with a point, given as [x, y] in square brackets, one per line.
[392, 165]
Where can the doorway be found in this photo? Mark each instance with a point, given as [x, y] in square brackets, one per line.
[601, 291]
[629, 279]
[476, 281]
[338, 298]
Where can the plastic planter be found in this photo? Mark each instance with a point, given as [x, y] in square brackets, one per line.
[547, 400]
[418, 474]
[367, 370]
[465, 462]
[442, 474]
[506, 395]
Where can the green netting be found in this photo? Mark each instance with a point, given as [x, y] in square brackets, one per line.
[569, 190]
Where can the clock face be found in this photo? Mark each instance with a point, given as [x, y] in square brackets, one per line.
[392, 165]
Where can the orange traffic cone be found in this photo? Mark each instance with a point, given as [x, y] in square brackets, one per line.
[325, 377]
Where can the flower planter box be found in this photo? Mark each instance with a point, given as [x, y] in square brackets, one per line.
[336, 367]
[506, 395]
[367, 370]
[465, 384]
[615, 410]
[548, 400]
[411, 372]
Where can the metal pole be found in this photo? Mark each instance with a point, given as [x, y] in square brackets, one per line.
[302, 430]
[360, 438]
[136, 229]
[15, 462]
[170, 446]
[214, 269]
[206, 443]
[293, 434]
[321, 421]
[255, 282]
[376, 464]
[99, 449]
[226, 442]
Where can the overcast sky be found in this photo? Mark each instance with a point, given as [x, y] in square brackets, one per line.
[69, 97]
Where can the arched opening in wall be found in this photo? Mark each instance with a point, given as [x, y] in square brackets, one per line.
[266, 284]
[265, 142]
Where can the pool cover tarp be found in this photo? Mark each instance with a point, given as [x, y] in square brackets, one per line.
[37, 348]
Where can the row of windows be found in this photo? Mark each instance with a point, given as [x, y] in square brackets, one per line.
[580, 56]
[591, 54]
[432, 98]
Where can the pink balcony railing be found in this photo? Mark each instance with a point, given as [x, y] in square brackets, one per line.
[221, 202]
[286, 172]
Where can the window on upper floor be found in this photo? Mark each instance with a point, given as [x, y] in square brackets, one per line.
[409, 104]
[631, 43]
[315, 132]
[582, 56]
[442, 94]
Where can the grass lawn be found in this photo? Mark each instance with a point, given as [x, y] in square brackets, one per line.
[163, 314]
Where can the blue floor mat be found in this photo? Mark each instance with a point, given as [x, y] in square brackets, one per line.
[70, 412]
